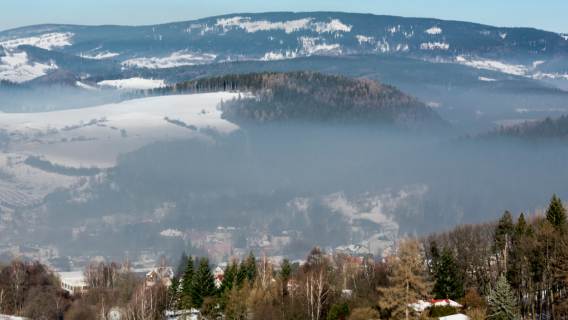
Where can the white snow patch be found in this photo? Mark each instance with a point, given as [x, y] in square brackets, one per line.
[393, 29]
[335, 25]
[171, 233]
[133, 84]
[485, 79]
[16, 67]
[46, 41]
[364, 39]
[84, 86]
[537, 63]
[434, 46]
[176, 59]
[99, 55]
[273, 56]
[551, 76]
[251, 26]
[434, 30]
[120, 127]
[311, 46]
[517, 70]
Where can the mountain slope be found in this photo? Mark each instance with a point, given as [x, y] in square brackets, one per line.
[284, 35]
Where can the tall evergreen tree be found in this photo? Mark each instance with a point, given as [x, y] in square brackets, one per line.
[502, 240]
[448, 280]
[285, 270]
[250, 265]
[174, 294]
[556, 213]
[182, 264]
[434, 256]
[203, 285]
[503, 232]
[230, 277]
[187, 284]
[502, 302]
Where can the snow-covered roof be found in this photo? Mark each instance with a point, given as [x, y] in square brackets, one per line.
[446, 302]
[73, 278]
[420, 305]
[457, 316]
[6, 317]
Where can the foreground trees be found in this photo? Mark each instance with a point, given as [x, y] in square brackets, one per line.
[510, 269]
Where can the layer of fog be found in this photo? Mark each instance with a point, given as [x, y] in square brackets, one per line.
[248, 179]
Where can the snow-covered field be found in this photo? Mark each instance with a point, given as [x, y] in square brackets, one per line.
[176, 59]
[46, 41]
[16, 67]
[95, 136]
[133, 84]
[291, 26]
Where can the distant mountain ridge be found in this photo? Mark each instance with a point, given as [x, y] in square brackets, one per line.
[286, 35]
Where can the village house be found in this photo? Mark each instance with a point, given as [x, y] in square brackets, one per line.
[163, 275]
[73, 282]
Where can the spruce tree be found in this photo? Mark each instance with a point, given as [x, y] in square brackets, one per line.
[203, 285]
[186, 284]
[285, 270]
[503, 232]
[521, 228]
[230, 277]
[250, 265]
[502, 304]
[229, 282]
[556, 213]
[174, 294]
[448, 281]
[182, 265]
[434, 256]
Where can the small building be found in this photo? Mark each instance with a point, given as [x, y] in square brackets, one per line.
[219, 275]
[163, 275]
[445, 303]
[422, 305]
[73, 282]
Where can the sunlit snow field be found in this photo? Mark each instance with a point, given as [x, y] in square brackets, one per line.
[95, 136]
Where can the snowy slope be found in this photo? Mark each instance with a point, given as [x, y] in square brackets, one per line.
[96, 136]
[133, 84]
[16, 67]
[285, 35]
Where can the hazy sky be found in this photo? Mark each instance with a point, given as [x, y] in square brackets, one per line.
[543, 14]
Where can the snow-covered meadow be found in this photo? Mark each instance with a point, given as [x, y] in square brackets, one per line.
[95, 136]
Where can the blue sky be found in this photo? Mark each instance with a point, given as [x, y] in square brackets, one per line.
[543, 14]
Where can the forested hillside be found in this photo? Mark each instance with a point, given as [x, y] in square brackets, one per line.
[310, 96]
[547, 128]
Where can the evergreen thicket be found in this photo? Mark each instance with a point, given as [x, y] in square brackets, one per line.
[310, 96]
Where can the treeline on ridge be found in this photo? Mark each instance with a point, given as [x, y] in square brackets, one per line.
[547, 128]
[309, 96]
